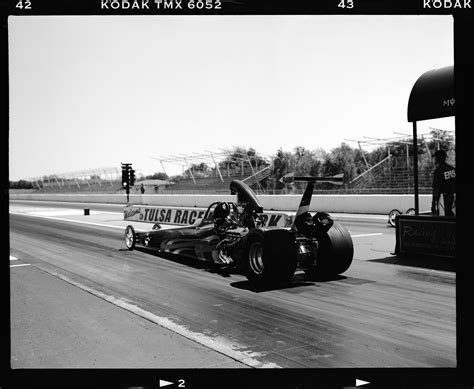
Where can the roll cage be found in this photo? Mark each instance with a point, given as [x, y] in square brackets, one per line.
[208, 215]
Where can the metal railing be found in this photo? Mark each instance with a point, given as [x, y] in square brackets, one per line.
[258, 176]
[363, 176]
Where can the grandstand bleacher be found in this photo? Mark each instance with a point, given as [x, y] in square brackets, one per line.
[394, 181]
[392, 175]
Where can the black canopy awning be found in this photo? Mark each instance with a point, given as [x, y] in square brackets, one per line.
[432, 96]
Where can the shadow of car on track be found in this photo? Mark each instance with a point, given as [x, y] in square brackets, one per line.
[246, 285]
[422, 261]
[181, 259]
[326, 278]
[299, 279]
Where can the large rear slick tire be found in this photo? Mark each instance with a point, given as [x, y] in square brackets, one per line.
[269, 257]
[335, 252]
[130, 237]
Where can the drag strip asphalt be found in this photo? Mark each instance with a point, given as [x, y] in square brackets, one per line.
[377, 314]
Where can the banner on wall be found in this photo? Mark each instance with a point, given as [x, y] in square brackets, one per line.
[189, 216]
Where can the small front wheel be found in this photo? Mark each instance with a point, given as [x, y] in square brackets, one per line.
[130, 237]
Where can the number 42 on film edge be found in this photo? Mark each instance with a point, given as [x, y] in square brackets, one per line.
[23, 4]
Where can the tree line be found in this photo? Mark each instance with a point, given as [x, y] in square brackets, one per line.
[351, 161]
[346, 159]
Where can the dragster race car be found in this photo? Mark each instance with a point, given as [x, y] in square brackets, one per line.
[234, 234]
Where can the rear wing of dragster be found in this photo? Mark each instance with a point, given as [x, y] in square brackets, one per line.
[289, 178]
[308, 193]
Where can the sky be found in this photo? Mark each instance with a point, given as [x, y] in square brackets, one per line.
[89, 92]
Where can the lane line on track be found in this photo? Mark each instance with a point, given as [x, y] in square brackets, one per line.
[358, 216]
[136, 229]
[73, 221]
[237, 352]
[21, 264]
[361, 235]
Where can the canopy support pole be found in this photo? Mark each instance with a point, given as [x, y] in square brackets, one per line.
[415, 167]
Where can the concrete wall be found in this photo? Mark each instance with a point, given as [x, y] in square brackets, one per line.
[365, 204]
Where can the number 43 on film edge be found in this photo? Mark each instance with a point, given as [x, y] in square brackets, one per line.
[346, 4]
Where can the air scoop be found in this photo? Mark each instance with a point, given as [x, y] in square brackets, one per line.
[245, 195]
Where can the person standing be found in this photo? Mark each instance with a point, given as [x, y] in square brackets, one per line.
[142, 188]
[444, 182]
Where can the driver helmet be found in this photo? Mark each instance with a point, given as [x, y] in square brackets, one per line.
[222, 211]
